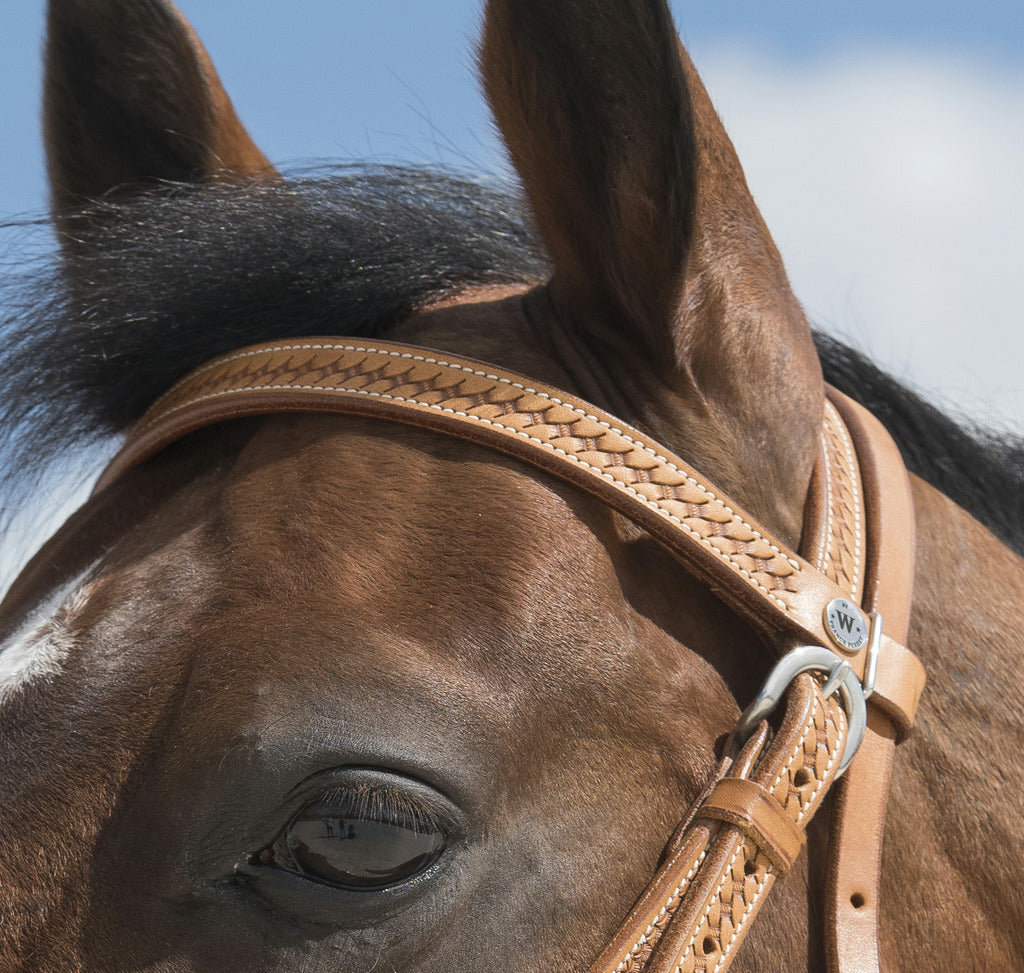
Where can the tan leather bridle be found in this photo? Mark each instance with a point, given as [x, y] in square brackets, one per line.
[821, 612]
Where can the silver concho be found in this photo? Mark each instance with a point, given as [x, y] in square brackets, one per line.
[846, 624]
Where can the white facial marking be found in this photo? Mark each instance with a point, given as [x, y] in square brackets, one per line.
[37, 651]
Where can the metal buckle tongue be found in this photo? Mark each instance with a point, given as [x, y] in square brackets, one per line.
[814, 658]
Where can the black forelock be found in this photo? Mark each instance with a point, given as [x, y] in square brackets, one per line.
[168, 280]
[173, 279]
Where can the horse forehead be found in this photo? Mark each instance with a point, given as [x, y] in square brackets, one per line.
[349, 566]
[324, 527]
[363, 497]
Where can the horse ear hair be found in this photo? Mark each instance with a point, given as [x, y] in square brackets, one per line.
[131, 99]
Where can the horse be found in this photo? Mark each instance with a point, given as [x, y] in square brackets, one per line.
[496, 693]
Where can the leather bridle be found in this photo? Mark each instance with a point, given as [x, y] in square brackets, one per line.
[849, 690]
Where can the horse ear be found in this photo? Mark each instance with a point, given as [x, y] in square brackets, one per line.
[132, 99]
[606, 157]
[662, 262]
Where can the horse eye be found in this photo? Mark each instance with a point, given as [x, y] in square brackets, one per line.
[361, 845]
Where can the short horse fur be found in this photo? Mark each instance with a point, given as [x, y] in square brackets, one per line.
[277, 608]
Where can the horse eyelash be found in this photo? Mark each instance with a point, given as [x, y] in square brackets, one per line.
[381, 802]
[367, 800]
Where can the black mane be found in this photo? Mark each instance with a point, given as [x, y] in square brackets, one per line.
[180, 277]
[982, 471]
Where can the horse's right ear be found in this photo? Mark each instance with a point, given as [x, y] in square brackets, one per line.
[131, 99]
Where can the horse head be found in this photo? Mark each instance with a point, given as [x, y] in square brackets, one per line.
[505, 691]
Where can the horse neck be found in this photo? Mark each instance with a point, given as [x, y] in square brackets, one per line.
[956, 801]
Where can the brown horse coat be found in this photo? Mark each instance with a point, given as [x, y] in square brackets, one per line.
[274, 608]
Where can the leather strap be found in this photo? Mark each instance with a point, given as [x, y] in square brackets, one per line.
[844, 540]
[698, 908]
[859, 814]
[759, 815]
[774, 589]
[748, 826]
[859, 532]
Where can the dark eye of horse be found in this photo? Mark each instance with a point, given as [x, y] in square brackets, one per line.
[361, 839]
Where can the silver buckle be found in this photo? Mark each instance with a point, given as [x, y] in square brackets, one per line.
[840, 676]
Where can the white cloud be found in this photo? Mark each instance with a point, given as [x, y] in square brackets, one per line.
[894, 186]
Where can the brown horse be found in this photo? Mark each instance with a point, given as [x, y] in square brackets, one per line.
[295, 619]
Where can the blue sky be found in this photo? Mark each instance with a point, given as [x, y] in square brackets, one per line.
[800, 28]
[385, 78]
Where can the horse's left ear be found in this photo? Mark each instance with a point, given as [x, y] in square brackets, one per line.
[664, 269]
[132, 99]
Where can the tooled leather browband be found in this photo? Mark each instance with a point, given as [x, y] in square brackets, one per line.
[747, 827]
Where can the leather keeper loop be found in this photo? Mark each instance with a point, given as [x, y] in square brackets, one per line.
[758, 814]
[898, 685]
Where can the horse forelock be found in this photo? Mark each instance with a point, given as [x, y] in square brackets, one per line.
[172, 279]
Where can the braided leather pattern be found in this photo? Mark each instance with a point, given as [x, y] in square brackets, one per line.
[743, 882]
[696, 912]
[757, 576]
[842, 554]
[747, 873]
[730, 875]
[676, 875]
[619, 454]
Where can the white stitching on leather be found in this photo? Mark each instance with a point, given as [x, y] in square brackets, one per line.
[747, 913]
[481, 374]
[618, 484]
[839, 748]
[676, 892]
[821, 561]
[836, 753]
[798, 749]
[711, 902]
